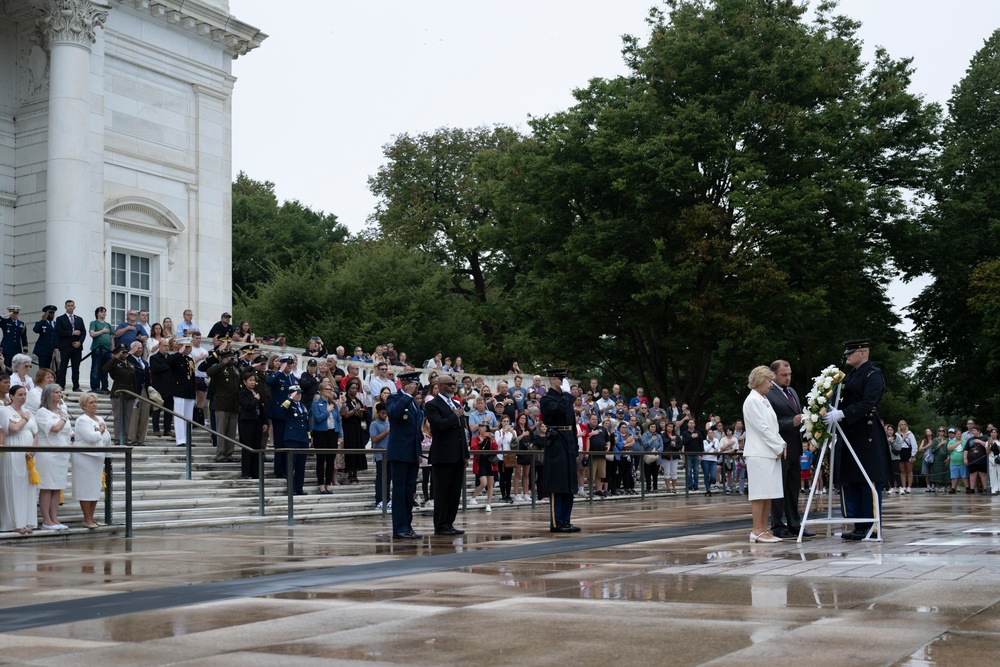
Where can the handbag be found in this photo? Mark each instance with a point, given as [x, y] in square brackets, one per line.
[928, 457]
[650, 458]
[494, 460]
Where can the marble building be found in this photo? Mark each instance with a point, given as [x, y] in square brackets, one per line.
[115, 154]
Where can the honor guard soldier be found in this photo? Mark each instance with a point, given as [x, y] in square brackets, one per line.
[247, 353]
[279, 382]
[403, 453]
[15, 333]
[47, 342]
[296, 436]
[858, 417]
[561, 450]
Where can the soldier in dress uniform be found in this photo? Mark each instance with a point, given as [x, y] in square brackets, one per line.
[279, 382]
[15, 333]
[403, 453]
[858, 417]
[296, 436]
[561, 450]
[47, 342]
[245, 361]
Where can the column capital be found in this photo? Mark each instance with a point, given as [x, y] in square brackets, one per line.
[70, 21]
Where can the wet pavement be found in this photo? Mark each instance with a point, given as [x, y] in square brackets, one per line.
[663, 579]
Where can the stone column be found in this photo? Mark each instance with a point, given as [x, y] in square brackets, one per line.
[69, 28]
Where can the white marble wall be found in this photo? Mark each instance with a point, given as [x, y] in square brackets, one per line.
[159, 145]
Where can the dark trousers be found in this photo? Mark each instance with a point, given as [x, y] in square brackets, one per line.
[448, 479]
[651, 472]
[561, 509]
[404, 488]
[168, 420]
[324, 462]
[45, 361]
[251, 435]
[626, 473]
[427, 482]
[98, 378]
[785, 510]
[505, 477]
[378, 481]
[857, 503]
[67, 356]
[278, 426]
[298, 463]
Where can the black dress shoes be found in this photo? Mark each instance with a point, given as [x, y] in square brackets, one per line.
[407, 535]
[449, 531]
[564, 528]
[784, 533]
[853, 536]
[806, 534]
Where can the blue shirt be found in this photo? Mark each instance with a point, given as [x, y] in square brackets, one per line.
[486, 416]
[378, 427]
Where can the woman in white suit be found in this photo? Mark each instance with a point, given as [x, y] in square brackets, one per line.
[91, 431]
[762, 452]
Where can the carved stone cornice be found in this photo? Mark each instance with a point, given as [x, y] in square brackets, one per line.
[237, 38]
[70, 21]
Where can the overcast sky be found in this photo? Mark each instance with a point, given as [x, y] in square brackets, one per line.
[335, 80]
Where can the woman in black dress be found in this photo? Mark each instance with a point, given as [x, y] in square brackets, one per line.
[352, 416]
[252, 425]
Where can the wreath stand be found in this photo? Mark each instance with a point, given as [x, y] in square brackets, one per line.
[874, 533]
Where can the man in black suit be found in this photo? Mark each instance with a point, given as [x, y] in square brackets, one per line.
[785, 518]
[449, 454]
[71, 332]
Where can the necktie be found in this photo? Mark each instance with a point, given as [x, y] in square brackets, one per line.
[791, 399]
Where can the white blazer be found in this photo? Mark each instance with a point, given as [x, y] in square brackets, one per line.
[761, 424]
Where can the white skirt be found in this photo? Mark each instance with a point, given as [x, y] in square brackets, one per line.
[764, 478]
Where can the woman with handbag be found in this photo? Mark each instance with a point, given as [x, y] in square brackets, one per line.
[925, 454]
[907, 453]
[522, 432]
[484, 464]
[504, 437]
[652, 445]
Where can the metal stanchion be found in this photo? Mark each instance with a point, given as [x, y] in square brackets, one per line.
[531, 482]
[128, 492]
[290, 492]
[108, 488]
[385, 485]
[187, 444]
[260, 479]
[590, 478]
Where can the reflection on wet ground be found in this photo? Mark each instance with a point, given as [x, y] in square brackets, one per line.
[928, 595]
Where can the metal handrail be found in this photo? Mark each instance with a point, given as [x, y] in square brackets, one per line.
[109, 449]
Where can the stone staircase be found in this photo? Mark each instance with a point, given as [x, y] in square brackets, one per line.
[216, 494]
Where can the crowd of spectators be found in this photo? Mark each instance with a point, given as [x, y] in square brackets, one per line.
[627, 442]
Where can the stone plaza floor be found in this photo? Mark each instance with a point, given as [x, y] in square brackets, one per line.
[665, 581]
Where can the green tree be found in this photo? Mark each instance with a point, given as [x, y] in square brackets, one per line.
[731, 200]
[958, 314]
[367, 293]
[266, 235]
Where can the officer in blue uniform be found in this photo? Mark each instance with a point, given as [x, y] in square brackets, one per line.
[858, 416]
[296, 432]
[47, 342]
[279, 382]
[15, 334]
[403, 453]
[561, 450]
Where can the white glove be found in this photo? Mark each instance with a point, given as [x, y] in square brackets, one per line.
[832, 417]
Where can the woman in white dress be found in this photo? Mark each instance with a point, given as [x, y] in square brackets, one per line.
[44, 376]
[763, 452]
[54, 430]
[88, 467]
[21, 363]
[17, 507]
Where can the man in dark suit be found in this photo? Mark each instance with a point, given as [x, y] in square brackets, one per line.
[403, 452]
[449, 454]
[71, 332]
[859, 419]
[47, 342]
[123, 376]
[785, 518]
